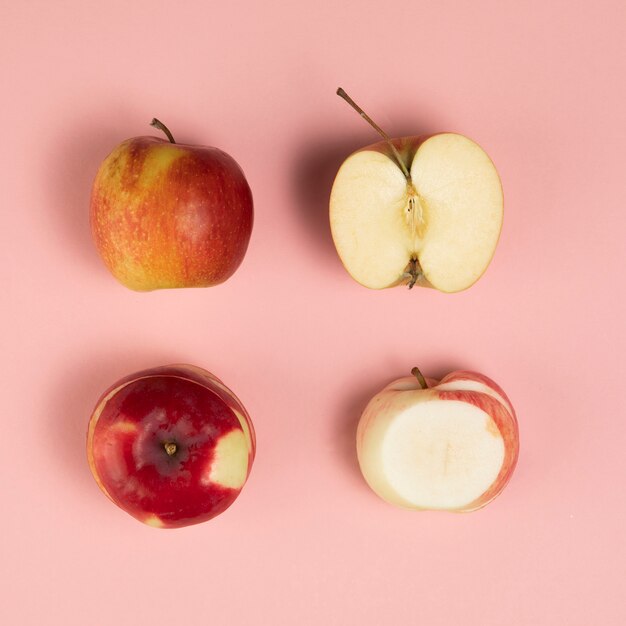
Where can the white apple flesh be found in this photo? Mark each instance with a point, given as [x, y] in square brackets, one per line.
[451, 446]
[417, 211]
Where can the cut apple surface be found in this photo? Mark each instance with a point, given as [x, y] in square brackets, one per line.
[442, 456]
[439, 227]
[452, 446]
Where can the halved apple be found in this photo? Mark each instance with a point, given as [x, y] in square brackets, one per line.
[417, 211]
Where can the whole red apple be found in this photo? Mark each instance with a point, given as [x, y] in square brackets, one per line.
[449, 445]
[169, 215]
[172, 446]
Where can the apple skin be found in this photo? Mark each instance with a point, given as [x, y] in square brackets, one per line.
[182, 404]
[464, 386]
[166, 215]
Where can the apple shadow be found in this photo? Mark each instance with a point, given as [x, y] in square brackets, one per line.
[314, 171]
[312, 178]
[74, 398]
[350, 412]
[78, 152]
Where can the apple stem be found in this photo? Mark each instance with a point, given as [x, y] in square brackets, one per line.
[161, 126]
[170, 448]
[420, 377]
[342, 94]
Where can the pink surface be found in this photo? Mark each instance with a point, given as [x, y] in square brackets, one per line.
[540, 86]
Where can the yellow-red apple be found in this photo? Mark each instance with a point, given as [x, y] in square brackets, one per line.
[167, 215]
[449, 445]
[172, 446]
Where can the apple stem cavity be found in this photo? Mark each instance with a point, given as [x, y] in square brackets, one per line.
[342, 94]
[420, 377]
[412, 273]
[161, 126]
[170, 448]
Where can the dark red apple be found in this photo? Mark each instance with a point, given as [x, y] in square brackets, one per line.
[172, 446]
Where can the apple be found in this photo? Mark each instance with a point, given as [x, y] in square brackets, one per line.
[167, 215]
[172, 445]
[450, 445]
[417, 210]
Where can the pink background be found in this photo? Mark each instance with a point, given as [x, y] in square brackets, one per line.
[541, 86]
